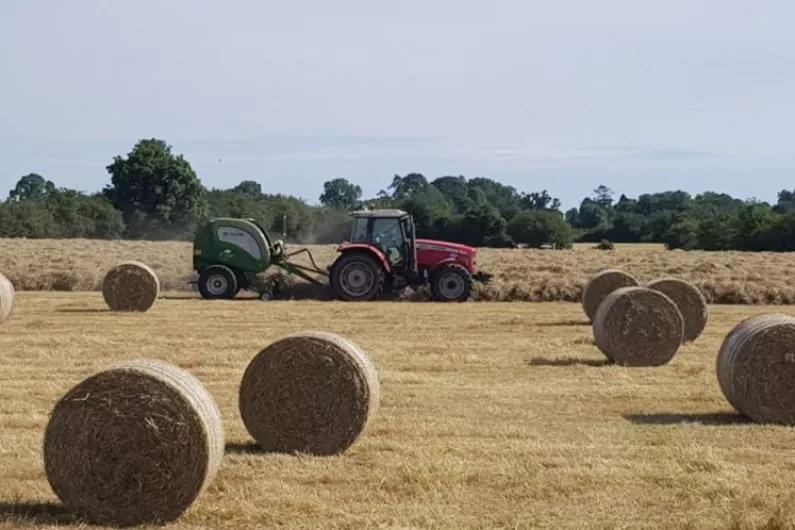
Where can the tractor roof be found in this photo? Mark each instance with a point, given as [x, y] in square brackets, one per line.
[379, 213]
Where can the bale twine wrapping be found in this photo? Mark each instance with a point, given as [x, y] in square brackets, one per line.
[638, 326]
[7, 295]
[130, 286]
[756, 368]
[310, 392]
[601, 285]
[136, 443]
[691, 303]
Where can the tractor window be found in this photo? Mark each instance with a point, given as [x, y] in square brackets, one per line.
[359, 230]
[387, 232]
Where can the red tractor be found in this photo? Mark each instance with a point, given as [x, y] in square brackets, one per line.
[383, 254]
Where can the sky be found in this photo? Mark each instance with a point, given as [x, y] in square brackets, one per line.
[640, 96]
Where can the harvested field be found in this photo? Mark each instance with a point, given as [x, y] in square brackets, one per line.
[491, 415]
[521, 275]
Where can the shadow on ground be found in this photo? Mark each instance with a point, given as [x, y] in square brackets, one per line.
[82, 310]
[710, 418]
[245, 448]
[568, 361]
[564, 323]
[36, 513]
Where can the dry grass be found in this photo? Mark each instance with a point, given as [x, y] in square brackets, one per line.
[522, 275]
[492, 415]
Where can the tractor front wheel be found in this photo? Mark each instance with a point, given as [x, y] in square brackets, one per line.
[357, 277]
[451, 283]
[218, 282]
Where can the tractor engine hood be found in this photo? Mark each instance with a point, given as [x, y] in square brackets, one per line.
[445, 246]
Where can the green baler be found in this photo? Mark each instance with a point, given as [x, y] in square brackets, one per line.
[229, 254]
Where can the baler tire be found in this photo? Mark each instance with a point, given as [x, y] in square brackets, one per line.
[226, 274]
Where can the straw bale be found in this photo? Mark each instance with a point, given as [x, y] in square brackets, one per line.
[601, 285]
[310, 392]
[756, 368]
[638, 326]
[691, 303]
[130, 286]
[134, 444]
[7, 296]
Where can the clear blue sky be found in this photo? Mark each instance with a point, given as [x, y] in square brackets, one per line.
[637, 95]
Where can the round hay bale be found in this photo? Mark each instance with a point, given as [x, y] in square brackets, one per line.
[601, 285]
[7, 295]
[134, 444]
[130, 286]
[638, 326]
[691, 303]
[756, 368]
[310, 392]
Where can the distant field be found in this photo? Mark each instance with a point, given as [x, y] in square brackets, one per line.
[492, 416]
[521, 275]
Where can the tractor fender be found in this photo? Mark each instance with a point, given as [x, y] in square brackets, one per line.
[444, 262]
[360, 247]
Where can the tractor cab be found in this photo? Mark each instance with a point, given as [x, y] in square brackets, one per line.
[391, 231]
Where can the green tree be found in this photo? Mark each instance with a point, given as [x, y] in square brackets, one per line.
[158, 193]
[341, 194]
[603, 196]
[455, 190]
[408, 186]
[539, 201]
[248, 187]
[31, 186]
[479, 224]
[538, 227]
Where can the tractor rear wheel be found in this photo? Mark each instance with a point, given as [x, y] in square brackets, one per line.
[218, 282]
[357, 277]
[451, 283]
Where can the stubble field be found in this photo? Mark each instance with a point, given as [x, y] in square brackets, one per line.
[492, 415]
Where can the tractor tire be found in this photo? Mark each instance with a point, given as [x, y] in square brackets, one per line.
[357, 277]
[218, 282]
[451, 283]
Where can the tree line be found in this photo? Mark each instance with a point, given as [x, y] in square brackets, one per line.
[155, 194]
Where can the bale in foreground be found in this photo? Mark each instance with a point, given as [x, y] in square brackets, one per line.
[134, 444]
[7, 295]
[638, 326]
[130, 286]
[690, 301]
[600, 286]
[310, 392]
[756, 368]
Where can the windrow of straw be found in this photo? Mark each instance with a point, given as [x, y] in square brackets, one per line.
[133, 444]
[130, 286]
[756, 367]
[638, 326]
[310, 392]
[7, 295]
